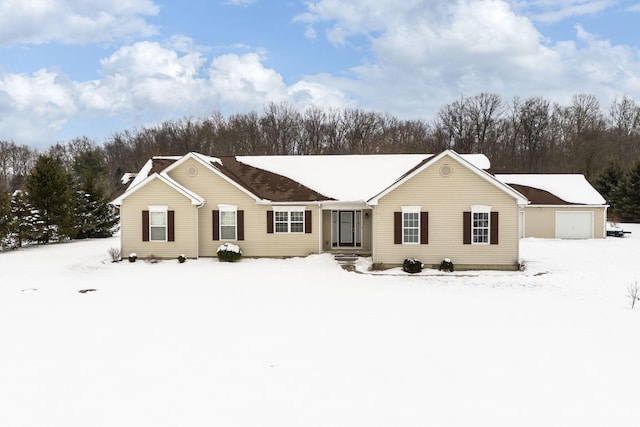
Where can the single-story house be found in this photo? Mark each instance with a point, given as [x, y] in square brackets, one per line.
[390, 207]
[562, 206]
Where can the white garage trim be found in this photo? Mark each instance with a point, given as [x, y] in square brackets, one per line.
[574, 225]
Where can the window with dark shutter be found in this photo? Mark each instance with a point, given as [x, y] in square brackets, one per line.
[270, 222]
[216, 224]
[397, 228]
[424, 228]
[145, 226]
[307, 222]
[466, 228]
[240, 219]
[171, 231]
[494, 228]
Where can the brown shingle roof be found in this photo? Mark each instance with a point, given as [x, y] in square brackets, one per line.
[539, 197]
[264, 184]
[160, 164]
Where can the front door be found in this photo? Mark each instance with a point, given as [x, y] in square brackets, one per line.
[346, 229]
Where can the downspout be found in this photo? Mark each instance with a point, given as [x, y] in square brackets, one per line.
[320, 231]
[198, 232]
[197, 239]
[373, 234]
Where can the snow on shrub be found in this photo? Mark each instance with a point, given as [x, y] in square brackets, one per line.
[446, 265]
[181, 258]
[412, 265]
[229, 252]
[133, 257]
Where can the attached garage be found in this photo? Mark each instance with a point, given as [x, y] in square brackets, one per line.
[562, 206]
[574, 225]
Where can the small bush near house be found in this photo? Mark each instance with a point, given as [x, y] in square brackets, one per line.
[181, 258]
[412, 265]
[377, 266]
[229, 252]
[152, 259]
[446, 265]
[114, 253]
[133, 257]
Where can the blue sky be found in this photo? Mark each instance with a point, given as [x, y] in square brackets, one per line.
[71, 68]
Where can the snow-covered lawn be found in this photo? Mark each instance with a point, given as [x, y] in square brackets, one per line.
[301, 342]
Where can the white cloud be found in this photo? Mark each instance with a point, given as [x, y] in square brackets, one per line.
[74, 21]
[426, 53]
[555, 11]
[148, 82]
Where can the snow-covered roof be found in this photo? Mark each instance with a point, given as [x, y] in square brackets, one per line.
[146, 170]
[348, 177]
[572, 188]
[127, 177]
[343, 178]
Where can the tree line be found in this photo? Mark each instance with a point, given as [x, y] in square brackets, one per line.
[532, 135]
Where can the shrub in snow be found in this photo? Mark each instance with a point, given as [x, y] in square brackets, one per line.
[229, 252]
[114, 253]
[133, 257]
[181, 258]
[377, 266]
[446, 265]
[152, 259]
[412, 265]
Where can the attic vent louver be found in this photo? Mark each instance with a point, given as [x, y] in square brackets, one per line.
[446, 170]
[192, 171]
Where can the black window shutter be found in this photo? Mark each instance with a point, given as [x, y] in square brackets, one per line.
[216, 225]
[424, 228]
[171, 229]
[270, 222]
[240, 219]
[397, 228]
[494, 228]
[145, 226]
[466, 228]
[307, 222]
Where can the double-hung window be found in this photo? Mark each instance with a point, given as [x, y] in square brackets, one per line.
[281, 221]
[411, 224]
[157, 223]
[228, 222]
[288, 219]
[480, 224]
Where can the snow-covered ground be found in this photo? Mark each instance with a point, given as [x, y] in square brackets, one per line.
[301, 342]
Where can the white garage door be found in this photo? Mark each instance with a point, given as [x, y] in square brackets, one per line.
[574, 225]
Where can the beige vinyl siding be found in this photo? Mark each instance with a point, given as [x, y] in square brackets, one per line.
[157, 193]
[540, 221]
[445, 199]
[257, 242]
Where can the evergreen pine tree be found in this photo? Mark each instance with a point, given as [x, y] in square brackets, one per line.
[49, 192]
[23, 222]
[95, 217]
[610, 183]
[5, 219]
[630, 195]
